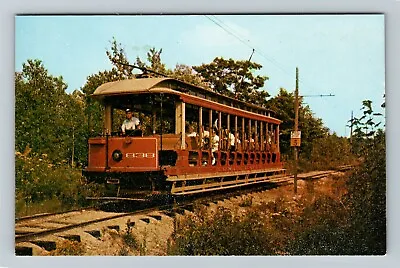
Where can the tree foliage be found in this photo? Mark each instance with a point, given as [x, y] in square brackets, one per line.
[235, 78]
[311, 128]
[367, 186]
[330, 151]
[154, 62]
[49, 137]
[120, 70]
[365, 128]
[189, 75]
[45, 115]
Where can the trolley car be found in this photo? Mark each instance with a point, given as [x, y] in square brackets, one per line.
[192, 140]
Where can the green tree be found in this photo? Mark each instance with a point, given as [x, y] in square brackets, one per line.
[283, 105]
[235, 78]
[189, 75]
[75, 115]
[154, 62]
[367, 186]
[121, 67]
[42, 109]
[365, 128]
[330, 151]
[121, 70]
[311, 128]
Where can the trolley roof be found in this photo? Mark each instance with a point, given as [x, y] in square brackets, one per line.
[169, 85]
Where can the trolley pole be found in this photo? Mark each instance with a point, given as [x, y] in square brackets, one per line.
[296, 128]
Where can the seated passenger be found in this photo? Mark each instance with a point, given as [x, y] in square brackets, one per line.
[191, 132]
[238, 142]
[249, 143]
[252, 143]
[130, 123]
[205, 143]
[229, 140]
[215, 146]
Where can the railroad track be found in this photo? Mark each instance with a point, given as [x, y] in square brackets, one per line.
[33, 228]
[22, 236]
[44, 215]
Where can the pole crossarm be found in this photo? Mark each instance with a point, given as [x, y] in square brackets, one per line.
[317, 95]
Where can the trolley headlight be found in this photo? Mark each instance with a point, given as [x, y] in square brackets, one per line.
[117, 155]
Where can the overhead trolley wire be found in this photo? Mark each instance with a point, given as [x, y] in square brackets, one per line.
[247, 43]
[230, 31]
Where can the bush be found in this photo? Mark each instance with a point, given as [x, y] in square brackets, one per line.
[320, 229]
[42, 186]
[367, 199]
[221, 234]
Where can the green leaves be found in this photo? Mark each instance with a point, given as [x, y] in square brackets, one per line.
[45, 114]
[235, 79]
[312, 128]
[365, 128]
[222, 233]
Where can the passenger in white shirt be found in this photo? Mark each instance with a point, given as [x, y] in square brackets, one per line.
[130, 123]
[215, 142]
[205, 143]
[191, 132]
[214, 146]
[230, 139]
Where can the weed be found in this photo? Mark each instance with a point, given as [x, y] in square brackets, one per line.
[129, 239]
[246, 202]
[68, 248]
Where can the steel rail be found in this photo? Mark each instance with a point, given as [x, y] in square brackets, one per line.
[29, 236]
[44, 215]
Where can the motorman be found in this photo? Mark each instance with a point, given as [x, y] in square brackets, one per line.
[130, 123]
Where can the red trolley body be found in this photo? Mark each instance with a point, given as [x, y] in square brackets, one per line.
[163, 157]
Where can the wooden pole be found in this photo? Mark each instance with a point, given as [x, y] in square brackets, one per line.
[351, 129]
[73, 147]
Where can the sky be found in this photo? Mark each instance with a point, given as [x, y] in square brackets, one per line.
[343, 55]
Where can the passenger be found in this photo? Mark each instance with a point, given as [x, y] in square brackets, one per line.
[230, 138]
[238, 142]
[130, 123]
[191, 132]
[269, 138]
[214, 146]
[205, 143]
[252, 143]
[206, 132]
[249, 143]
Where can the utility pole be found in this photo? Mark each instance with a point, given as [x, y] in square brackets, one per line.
[73, 147]
[296, 128]
[295, 139]
[351, 128]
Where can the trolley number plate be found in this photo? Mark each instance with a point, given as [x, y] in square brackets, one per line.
[140, 155]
